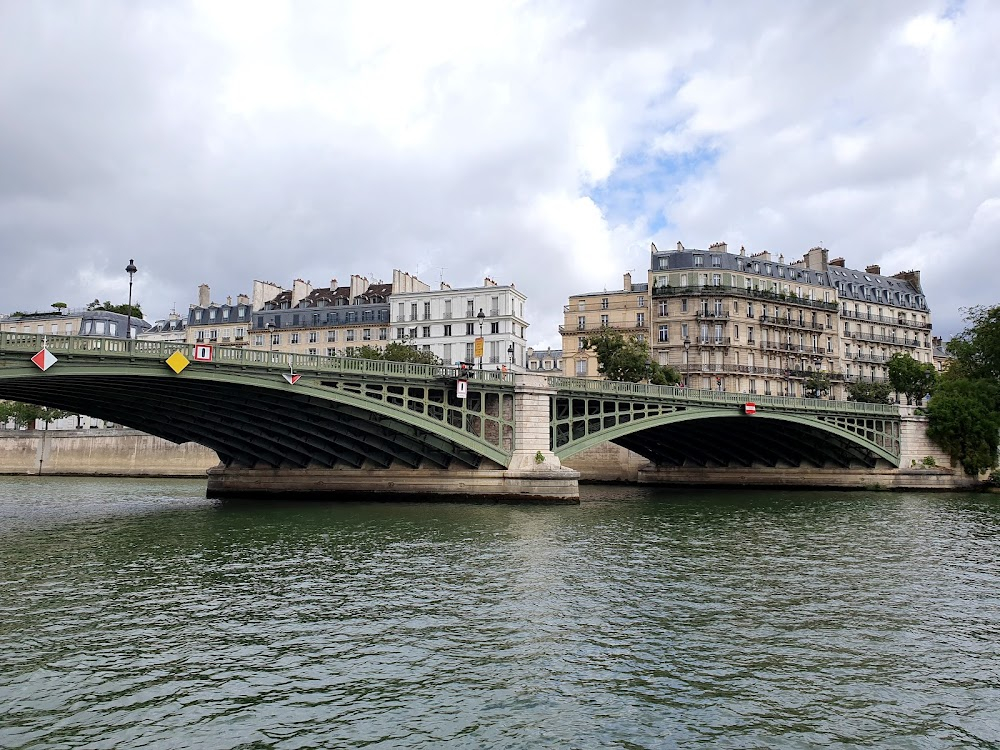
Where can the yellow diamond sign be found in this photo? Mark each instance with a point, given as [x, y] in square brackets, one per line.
[177, 362]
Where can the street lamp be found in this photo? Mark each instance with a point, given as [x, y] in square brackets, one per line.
[510, 351]
[270, 341]
[130, 269]
[687, 363]
[482, 317]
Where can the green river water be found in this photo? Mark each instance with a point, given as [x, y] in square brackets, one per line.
[137, 614]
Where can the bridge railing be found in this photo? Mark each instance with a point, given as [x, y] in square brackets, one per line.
[709, 397]
[242, 357]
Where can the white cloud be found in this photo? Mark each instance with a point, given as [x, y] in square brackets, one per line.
[223, 142]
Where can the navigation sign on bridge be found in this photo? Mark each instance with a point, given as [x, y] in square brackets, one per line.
[44, 359]
[203, 353]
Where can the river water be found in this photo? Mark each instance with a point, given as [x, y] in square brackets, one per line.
[137, 614]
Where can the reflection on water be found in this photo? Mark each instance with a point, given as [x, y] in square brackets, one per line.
[134, 613]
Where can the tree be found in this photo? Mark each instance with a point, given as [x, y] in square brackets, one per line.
[976, 350]
[626, 358]
[817, 385]
[964, 419]
[397, 351]
[871, 393]
[25, 415]
[915, 379]
[59, 306]
[135, 311]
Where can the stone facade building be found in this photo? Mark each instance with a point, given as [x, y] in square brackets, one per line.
[757, 324]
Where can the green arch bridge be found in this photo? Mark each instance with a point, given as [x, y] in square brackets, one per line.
[283, 422]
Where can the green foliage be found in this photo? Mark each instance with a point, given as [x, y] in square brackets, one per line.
[135, 311]
[817, 385]
[964, 419]
[626, 358]
[912, 378]
[539, 458]
[871, 393]
[60, 306]
[397, 351]
[24, 415]
[929, 462]
[976, 350]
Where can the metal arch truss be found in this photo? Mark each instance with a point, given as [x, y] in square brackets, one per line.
[254, 418]
[675, 432]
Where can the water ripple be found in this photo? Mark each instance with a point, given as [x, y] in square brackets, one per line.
[137, 614]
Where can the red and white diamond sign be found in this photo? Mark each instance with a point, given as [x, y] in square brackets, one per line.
[44, 359]
[291, 377]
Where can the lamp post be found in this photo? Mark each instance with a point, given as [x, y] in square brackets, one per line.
[482, 317]
[510, 351]
[687, 363]
[270, 341]
[130, 269]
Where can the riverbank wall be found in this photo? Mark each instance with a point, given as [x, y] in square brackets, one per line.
[107, 452]
[127, 452]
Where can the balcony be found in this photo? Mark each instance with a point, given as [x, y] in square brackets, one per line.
[787, 322]
[708, 315]
[592, 327]
[734, 291]
[713, 341]
[896, 340]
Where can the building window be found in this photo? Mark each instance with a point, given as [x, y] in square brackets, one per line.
[469, 353]
[580, 342]
[413, 333]
[699, 261]
[641, 302]
[400, 333]
[413, 311]
[401, 314]
[331, 336]
[330, 352]
[427, 311]
[640, 320]
[350, 334]
[383, 334]
[425, 331]
[581, 368]
[494, 306]
[581, 323]
[447, 329]
[716, 279]
[313, 337]
[366, 334]
[258, 340]
[495, 327]
[684, 305]
[470, 308]
[663, 308]
[664, 334]
[275, 339]
[684, 330]
[470, 329]
[447, 354]
[312, 350]
[604, 321]
[604, 303]
[447, 309]
[295, 338]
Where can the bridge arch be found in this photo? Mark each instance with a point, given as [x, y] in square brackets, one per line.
[703, 435]
[253, 418]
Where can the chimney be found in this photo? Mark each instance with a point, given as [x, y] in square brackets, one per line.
[204, 295]
[627, 281]
[445, 285]
[910, 277]
[242, 299]
[680, 247]
[877, 270]
[719, 247]
[652, 247]
[359, 285]
[817, 259]
[300, 290]
[333, 284]
[743, 250]
[838, 262]
[229, 300]
[489, 282]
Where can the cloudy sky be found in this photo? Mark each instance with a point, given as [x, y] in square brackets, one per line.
[541, 143]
